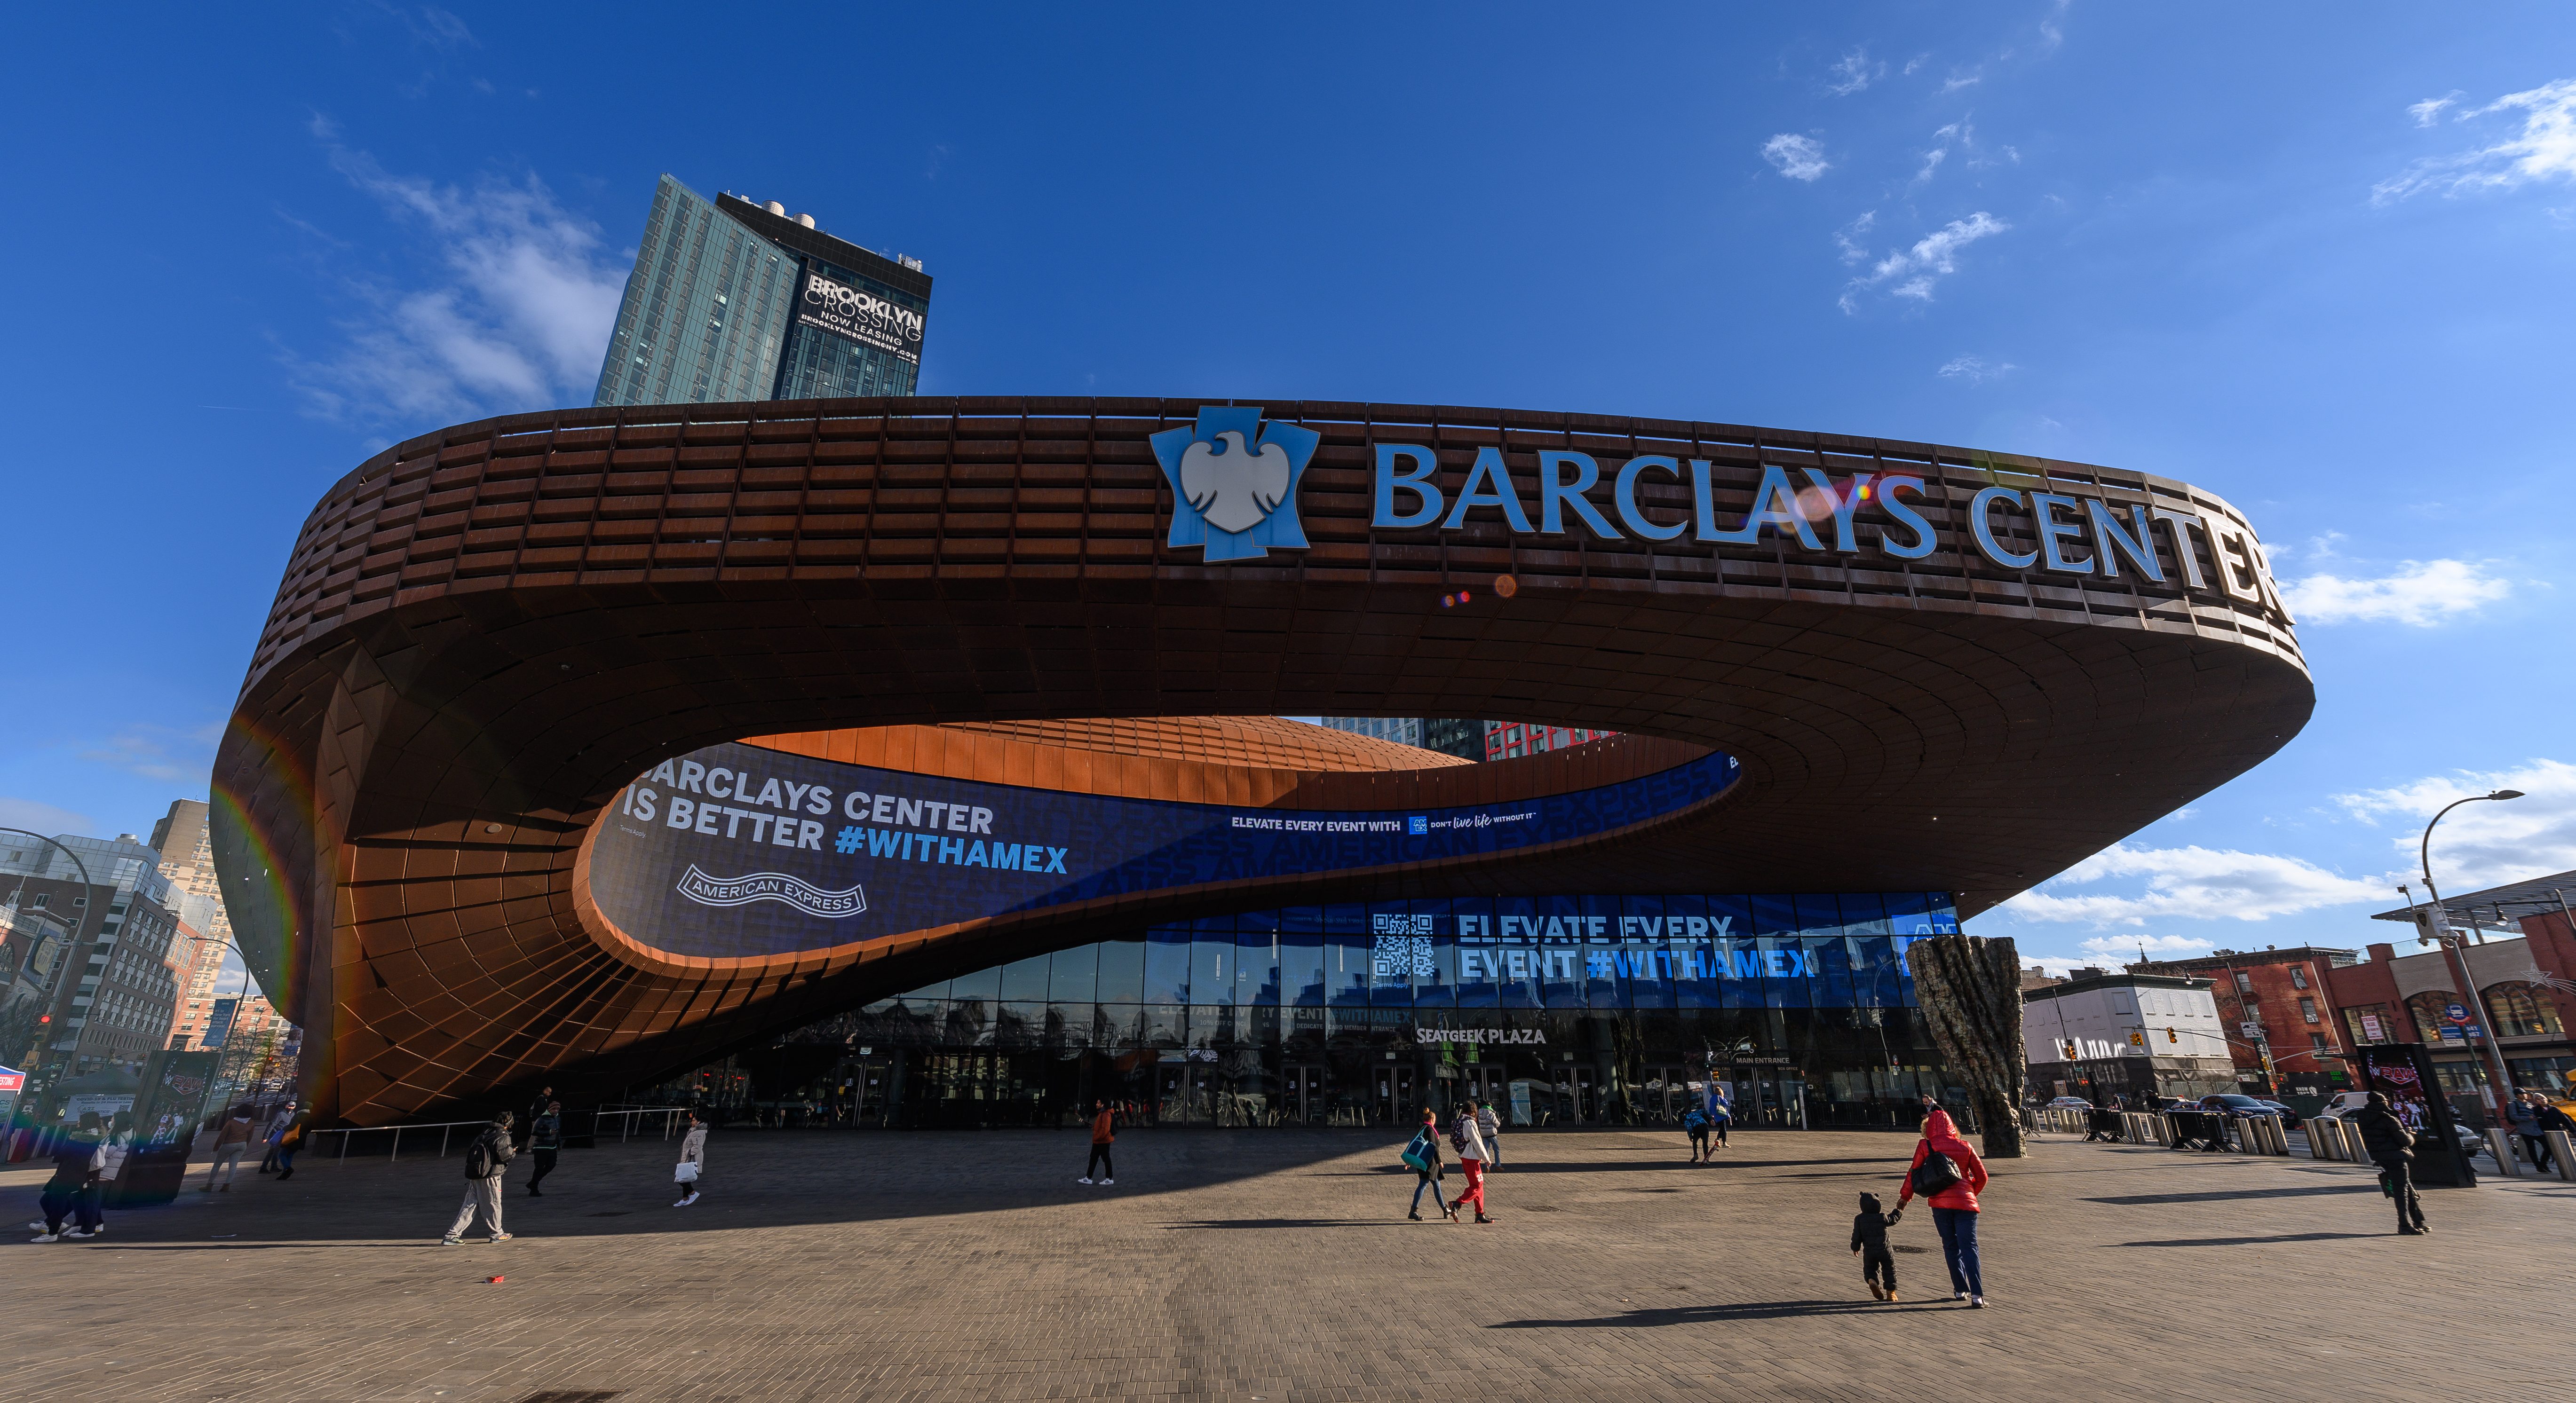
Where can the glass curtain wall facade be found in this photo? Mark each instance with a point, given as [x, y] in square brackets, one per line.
[1449, 735]
[706, 310]
[1563, 1011]
[711, 311]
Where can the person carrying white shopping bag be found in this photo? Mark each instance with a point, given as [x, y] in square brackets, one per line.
[690, 1174]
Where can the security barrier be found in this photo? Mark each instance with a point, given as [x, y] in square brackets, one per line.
[2500, 1144]
[2563, 1154]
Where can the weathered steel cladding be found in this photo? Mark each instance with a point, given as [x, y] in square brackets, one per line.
[484, 632]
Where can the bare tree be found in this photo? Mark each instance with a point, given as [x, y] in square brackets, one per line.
[1970, 989]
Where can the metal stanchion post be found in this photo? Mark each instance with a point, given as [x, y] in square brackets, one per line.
[2564, 1153]
[2500, 1144]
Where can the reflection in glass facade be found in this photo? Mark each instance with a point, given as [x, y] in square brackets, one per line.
[1578, 1010]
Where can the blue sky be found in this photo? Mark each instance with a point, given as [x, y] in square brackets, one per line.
[2315, 258]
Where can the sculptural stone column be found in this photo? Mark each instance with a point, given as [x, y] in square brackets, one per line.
[1969, 987]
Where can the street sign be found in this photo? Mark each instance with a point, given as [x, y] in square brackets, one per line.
[2456, 1012]
[11, 1079]
[2251, 1030]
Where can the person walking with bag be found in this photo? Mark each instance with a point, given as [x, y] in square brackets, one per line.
[1491, 1125]
[70, 1193]
[691, 1172]
[1423, 1154]
[2391, 1146]
[2546, 1117]
[1721, 1114]
[290, 1143]
[1469, 1140]
[1948, 1175]
[485, 1161]
[1104, 1133]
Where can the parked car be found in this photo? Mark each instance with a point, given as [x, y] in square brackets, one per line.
[2289, 1116]
[2238, 1107]
[2070, 1103]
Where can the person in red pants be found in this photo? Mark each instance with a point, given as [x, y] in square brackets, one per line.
[1472, 1153]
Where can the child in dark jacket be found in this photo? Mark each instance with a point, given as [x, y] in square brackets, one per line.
[1869, 1243]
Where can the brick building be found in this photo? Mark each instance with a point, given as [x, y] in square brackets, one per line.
[2279, 1016]
[2525, 995]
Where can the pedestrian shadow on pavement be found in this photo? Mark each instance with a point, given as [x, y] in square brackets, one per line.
[2252, 1241]
[2222, 1195]
[1714, 1314]
[1284, 1223]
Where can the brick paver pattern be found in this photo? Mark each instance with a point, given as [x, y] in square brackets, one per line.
[1278, 1266]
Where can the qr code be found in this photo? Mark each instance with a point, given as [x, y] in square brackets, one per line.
[1400, 957]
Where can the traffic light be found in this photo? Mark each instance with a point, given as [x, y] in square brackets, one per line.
[2171, 1036]
[2070, 1049]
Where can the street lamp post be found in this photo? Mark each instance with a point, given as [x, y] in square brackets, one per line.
[2451, 948]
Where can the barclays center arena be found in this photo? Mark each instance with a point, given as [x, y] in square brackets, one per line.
[916, 761]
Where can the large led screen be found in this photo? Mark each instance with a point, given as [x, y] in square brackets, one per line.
[739, 851]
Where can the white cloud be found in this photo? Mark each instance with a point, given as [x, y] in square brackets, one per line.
[2190, 883]
[518, 316]
[1956, 83]
[2115, 951]
[1847, 239]
[41, 817]
[159, 752]
[1976, 370]
[2482, 845]
[2052, 32]
[2422, 593]
[1798, 157]
[1912, 271]
[1854, 73]
[2545, 148]
[2429, 110]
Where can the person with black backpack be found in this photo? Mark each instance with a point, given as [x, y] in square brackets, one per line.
[1948, 1175]
[545, 1141]
[485, 1161]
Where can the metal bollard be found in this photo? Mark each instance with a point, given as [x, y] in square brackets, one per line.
[2563, 1153]
[2500, 1144]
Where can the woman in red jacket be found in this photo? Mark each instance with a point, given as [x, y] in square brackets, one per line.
[1954, 1205]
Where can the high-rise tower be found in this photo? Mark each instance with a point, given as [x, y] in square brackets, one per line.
[732, 300]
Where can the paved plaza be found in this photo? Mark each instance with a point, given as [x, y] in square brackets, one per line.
[1278, 1266]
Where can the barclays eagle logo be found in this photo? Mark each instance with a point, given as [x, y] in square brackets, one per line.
[1234, 482]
